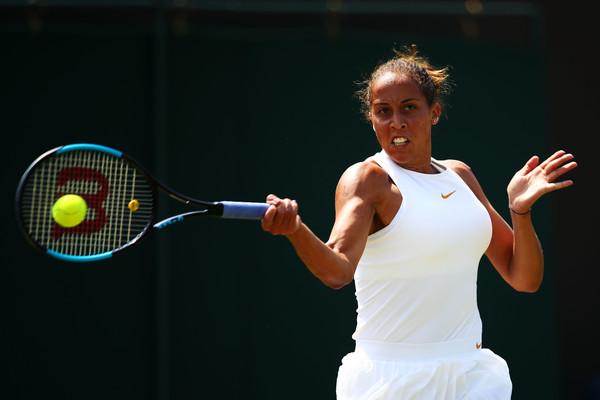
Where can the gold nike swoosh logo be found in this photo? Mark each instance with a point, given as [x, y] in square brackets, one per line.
[448, 195]
[478, 345]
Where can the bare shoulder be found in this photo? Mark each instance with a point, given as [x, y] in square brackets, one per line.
[461, 168]
[366, 200]
[363, 178]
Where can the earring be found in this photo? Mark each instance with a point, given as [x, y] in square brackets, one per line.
[435, 120]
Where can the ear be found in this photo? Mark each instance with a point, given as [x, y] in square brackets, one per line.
[373, 125]
[436, 112]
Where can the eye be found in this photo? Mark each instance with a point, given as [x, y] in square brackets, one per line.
[383, 111]
[410, 107]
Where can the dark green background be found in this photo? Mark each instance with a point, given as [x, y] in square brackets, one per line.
[234, 105]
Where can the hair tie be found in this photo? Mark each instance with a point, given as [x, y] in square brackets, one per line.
[518, 213]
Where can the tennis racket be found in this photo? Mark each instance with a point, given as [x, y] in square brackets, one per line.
[121, 198]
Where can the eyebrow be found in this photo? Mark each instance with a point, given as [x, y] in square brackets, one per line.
[402, 102]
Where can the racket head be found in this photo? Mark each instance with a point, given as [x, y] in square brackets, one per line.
[107, 180]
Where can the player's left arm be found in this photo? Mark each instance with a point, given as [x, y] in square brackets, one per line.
[516, 252]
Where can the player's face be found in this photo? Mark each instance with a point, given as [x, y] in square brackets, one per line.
[402, 120]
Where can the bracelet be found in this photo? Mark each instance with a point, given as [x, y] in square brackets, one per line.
[518, 213]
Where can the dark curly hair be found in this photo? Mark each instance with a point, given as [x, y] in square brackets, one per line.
[433, 83]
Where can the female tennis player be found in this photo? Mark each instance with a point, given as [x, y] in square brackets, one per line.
[410, 231]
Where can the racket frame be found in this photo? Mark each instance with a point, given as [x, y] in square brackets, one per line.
[224, 209]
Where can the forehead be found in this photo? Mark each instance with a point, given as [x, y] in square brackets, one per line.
[395, 86]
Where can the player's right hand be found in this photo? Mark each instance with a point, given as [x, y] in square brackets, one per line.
[282, 217]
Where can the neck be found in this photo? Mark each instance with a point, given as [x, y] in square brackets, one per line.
[422, 168]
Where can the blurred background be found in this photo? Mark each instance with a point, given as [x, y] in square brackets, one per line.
[233, 100]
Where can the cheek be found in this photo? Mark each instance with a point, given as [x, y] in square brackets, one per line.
[423, 122]
[380, 135]
[376, 122]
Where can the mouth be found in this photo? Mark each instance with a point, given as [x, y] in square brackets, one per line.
[399, 141]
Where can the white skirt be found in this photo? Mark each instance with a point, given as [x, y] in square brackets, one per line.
[438, 371]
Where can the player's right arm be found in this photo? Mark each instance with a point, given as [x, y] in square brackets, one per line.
[359, 194]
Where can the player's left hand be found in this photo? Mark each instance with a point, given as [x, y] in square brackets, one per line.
[535, 179]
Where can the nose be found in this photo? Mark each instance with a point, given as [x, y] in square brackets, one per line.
[398, 123]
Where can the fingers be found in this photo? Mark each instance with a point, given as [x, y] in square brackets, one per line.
[536, 179]
[272, 199]
[552, 158]
[560, 185]
[282, 217]
[530, 165]
[560, 166]
[551, 162]
[555, 166]
[555, 163]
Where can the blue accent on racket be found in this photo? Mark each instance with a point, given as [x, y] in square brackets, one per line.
[67, 257]
[169, 221]
[89, 146]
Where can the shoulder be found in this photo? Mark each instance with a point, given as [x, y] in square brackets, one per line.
[457, 166]
[460, 168]
[365, 170]
[366, 179]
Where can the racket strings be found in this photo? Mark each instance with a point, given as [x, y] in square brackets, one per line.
[107, 183]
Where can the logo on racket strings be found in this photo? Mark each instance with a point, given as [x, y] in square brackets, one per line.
[93, 200]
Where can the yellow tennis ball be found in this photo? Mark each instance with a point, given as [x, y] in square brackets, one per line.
[69, 210]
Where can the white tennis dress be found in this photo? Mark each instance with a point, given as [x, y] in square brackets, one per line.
[418, 333]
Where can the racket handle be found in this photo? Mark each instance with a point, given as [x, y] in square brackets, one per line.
[244, 210]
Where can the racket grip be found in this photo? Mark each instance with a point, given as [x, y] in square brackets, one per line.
[244, 210]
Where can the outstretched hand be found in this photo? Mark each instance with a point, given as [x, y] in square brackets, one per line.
[535, 179]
